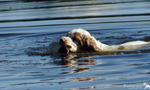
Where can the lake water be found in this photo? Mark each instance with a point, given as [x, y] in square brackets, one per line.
[29, 26]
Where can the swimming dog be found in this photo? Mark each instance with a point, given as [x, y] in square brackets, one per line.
[80, 40]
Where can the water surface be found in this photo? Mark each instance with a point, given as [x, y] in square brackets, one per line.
[31, 25]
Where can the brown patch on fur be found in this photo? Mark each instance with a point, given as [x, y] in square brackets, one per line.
[85, 43]
[64, 42]
[78, 39]
[120, 47]
[90, 44]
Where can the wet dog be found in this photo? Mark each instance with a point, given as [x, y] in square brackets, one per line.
[79, 40]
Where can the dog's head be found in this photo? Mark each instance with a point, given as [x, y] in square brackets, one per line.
[78, 40]
[84, 40]
[67, 45]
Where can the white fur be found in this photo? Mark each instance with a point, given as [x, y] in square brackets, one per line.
[81, 31]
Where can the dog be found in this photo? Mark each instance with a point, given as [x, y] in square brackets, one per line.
[64, 46]
[80, 40]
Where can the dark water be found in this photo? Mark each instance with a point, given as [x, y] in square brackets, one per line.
[31, 25]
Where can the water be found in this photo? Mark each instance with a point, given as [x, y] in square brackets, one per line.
[31, 25]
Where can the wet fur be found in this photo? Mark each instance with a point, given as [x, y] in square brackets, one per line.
[85, 42]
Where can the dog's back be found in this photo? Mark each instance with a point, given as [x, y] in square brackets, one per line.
[81, 31]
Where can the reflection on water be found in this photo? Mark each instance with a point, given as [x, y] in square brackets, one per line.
[72, 63]
[27, 27]
[75, 63]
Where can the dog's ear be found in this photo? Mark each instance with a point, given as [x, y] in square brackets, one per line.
[89, 44]
[77, 38]
[85, 43]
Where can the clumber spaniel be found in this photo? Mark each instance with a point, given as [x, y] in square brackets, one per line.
[79, 40]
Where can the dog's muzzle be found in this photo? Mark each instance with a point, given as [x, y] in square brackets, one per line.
[63, 50]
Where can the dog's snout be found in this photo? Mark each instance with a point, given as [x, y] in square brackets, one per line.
[63, 50]
[62, 40]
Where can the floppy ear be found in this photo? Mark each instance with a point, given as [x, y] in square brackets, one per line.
[89, 44]
[77, 38]
[85, 43]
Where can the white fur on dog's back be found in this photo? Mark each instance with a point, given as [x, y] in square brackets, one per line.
[126, 46]
[79, 30]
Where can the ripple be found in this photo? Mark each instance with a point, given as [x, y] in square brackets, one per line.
[29, 26]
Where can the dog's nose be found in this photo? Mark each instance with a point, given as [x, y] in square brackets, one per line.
[63, 50]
